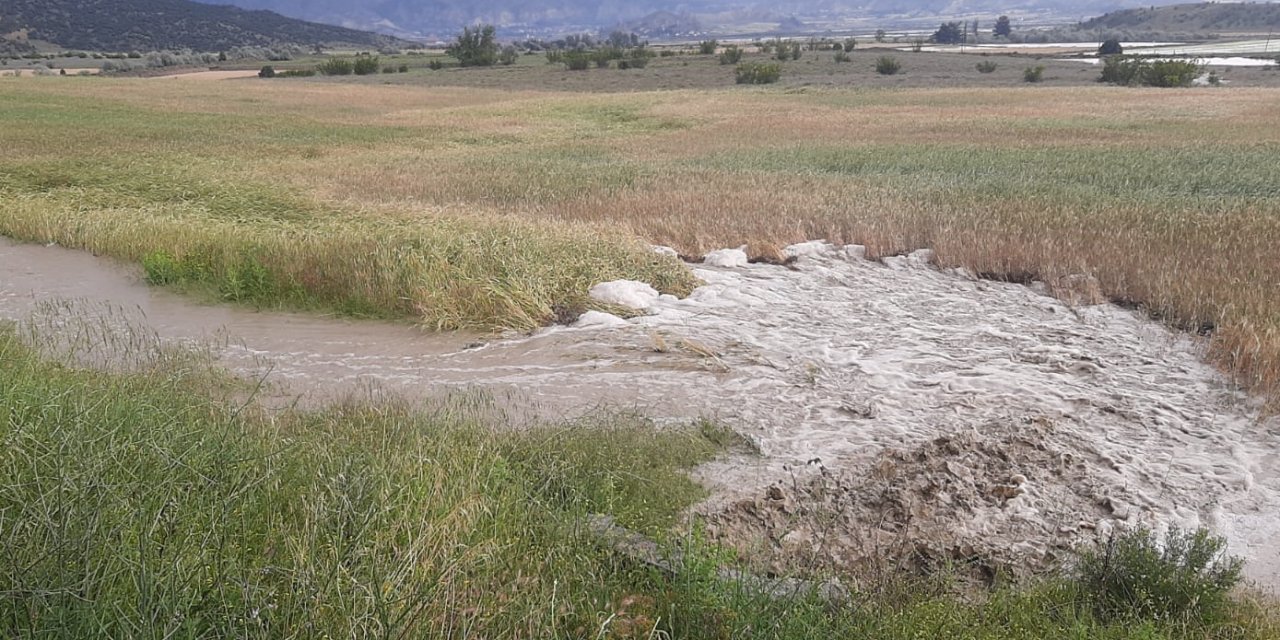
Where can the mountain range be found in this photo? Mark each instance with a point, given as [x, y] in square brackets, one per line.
[443, 17]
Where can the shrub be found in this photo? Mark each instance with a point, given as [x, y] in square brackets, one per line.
[435, 65]
[577, 61]
[880, 34]
[388, 69]
[1213, 79]
[986, 66]
[888, 65]
[267, 72]
[850, 44]
[917, 45]
[1110, 47]
[508, 56]
[296, 73]
[1160, 73]
[783, 51]
[707, 47]
[758, 73]
[1136, 575]
[336, 67]
[1171, 73]
[842, 56]
[475, 47]
[1033, 74]
[365, 65]
[731, 55]
[667, 53]
[795, 50]
[404, 68]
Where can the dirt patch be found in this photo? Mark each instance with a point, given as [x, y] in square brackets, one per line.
[1009, 498]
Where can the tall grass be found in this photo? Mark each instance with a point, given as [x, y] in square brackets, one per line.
[1166, 198]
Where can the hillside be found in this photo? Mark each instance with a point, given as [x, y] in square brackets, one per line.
[444, 17]
[1193, 18]
[125, 25]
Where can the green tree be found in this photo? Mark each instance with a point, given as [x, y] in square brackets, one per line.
[475, 47]
[949, 33]
[1002, 29]
[1111, 47]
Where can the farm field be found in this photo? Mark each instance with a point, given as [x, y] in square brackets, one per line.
[490, 202]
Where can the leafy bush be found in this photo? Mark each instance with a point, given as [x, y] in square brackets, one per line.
[1033, 74]
[577, 61]
[842, 56]
[365, 65]
[986, 66]
[758, 73]
[336, 67]
[267, 72]
[508, 56]
[404, 68]
[296, 73]
[1159, 73]
[708, 47]
[1136, 575]
[850, 44]
[949, 33]
[782, 51]
[795, 50]
[888, 65]
[1171, 73]
[731, 55]
[435, 65]
[475, 47]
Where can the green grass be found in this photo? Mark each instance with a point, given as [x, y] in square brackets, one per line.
[155, 504]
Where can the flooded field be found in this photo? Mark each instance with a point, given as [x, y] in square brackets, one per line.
[1048, 423]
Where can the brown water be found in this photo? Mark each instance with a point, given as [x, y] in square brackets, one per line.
[836, 359]
[316, 358]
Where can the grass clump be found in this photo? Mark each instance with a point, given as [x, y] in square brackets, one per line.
[732, 54]
[1033, 74]
[888, 66]
[136, 506]
[757, 73]
[1182, 576]
[336, 67]
[986, 66]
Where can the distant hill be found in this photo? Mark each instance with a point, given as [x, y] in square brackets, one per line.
[145, 25]
[1193, 18]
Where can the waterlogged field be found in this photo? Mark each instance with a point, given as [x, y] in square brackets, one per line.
[470, 208]
[158, 503]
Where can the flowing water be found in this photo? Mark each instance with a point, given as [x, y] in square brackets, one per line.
[1002, 418]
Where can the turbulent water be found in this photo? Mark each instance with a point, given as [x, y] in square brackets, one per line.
[905, 399]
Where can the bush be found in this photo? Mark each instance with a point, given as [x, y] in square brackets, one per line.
[795, 50]
[508, 56]
[475, 47]
[336, 67]
[404, 68]
[731, 55]
[986, 66]
[577, 61]
[267, 72]
[707, 47]
[758, 73]
[850, 44]
[1110, 47]
[842, 56]
[365, 65]
[1033, 74]
[296, 73]
[888, 65]
[435, 65]
[1160, 73]
[1135, 575]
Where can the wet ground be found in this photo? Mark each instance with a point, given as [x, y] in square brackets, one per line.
[986, 419]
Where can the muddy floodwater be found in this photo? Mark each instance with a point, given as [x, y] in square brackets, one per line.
[985, 418]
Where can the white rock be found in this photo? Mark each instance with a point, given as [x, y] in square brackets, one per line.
[628, 293]
[726, 258]
[599, 319]
[804, 249]
[921, 257]
[855, 252]
[665, 251]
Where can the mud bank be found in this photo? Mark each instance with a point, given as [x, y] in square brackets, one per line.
[892, 402]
